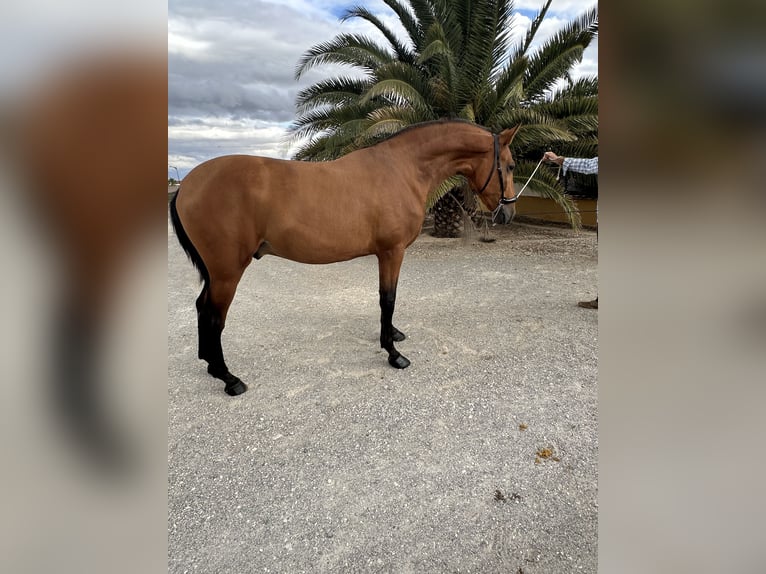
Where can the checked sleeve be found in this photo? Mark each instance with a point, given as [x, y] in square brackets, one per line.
[580, 165]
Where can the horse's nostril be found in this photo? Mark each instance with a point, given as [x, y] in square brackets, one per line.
[505, 215]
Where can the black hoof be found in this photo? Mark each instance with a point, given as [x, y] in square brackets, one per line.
[398, 362]
[399, 336]
[234, 385]
[236, 388]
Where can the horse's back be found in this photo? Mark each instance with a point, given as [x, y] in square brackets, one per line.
[225, 174]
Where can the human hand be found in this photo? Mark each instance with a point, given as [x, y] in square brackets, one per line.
[552, 157]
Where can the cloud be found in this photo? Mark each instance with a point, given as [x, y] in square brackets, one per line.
[566, 9]
[231, 86]
[197, 139]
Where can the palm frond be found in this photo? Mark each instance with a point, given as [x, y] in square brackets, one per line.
[559, 53]
[436, 48]
[334, 143]
[476, 55]
[352, 50]
[441, 69]
[443, 189]
[561, 107]
[423, 11]
[408, 19]
[581, 147]
[326, 119]
[397, 92]
[503, 33]
[403, 52]
[535, 26]
[391, 119]
[583, 87]
[509, 84]
[547, 67]
[337, 91]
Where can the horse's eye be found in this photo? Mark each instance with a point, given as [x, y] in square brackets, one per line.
[510, 167]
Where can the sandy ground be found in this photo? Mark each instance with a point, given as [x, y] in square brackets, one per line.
[480, 457]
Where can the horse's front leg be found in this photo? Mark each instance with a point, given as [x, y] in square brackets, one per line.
[389, 263]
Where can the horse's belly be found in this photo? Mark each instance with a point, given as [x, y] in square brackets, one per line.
[317, 257]
[314, 250]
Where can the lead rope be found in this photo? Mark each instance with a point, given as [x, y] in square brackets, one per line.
[530, 179]
[515, 197]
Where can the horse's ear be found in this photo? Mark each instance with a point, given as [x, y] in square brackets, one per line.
[506, 136]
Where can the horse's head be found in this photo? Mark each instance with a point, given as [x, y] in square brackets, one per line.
[493, 179]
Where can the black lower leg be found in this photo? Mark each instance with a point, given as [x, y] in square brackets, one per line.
[203, 321]
[210, 329]
[388, 331]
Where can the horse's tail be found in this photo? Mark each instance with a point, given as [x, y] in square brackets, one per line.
[186, 243]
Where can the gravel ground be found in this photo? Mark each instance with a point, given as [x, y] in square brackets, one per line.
[480, 457]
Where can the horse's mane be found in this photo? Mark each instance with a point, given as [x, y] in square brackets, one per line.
[413, 127]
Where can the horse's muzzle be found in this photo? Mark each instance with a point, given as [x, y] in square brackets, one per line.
[504, 214]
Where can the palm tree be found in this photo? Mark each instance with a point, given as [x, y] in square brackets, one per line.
[457, 61]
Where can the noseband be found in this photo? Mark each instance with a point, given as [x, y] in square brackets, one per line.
[496, 167]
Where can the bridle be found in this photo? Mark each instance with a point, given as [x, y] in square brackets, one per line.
[496, 167]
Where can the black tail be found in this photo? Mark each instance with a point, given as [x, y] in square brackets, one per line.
[186, 243]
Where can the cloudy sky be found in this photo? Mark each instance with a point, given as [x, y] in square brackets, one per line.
[231, 86]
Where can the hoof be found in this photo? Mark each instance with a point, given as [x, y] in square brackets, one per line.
[399, 336]
[234, 385]
[399, 362]
[236, 388]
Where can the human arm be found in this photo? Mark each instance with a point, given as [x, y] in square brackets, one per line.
[580, 165]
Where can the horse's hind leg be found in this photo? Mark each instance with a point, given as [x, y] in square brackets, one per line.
[203, 340]
[389, 263]
[212, 307]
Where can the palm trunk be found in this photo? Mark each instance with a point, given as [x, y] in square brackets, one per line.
[452, 211]
[448, 215]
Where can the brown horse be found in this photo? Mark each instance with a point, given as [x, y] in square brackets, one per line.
[232, 209]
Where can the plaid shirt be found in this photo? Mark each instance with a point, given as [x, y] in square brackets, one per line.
[580, 165]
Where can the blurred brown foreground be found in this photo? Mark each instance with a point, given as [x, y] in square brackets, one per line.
[83, 142]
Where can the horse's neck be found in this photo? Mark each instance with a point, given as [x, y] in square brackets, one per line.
[445, 150]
